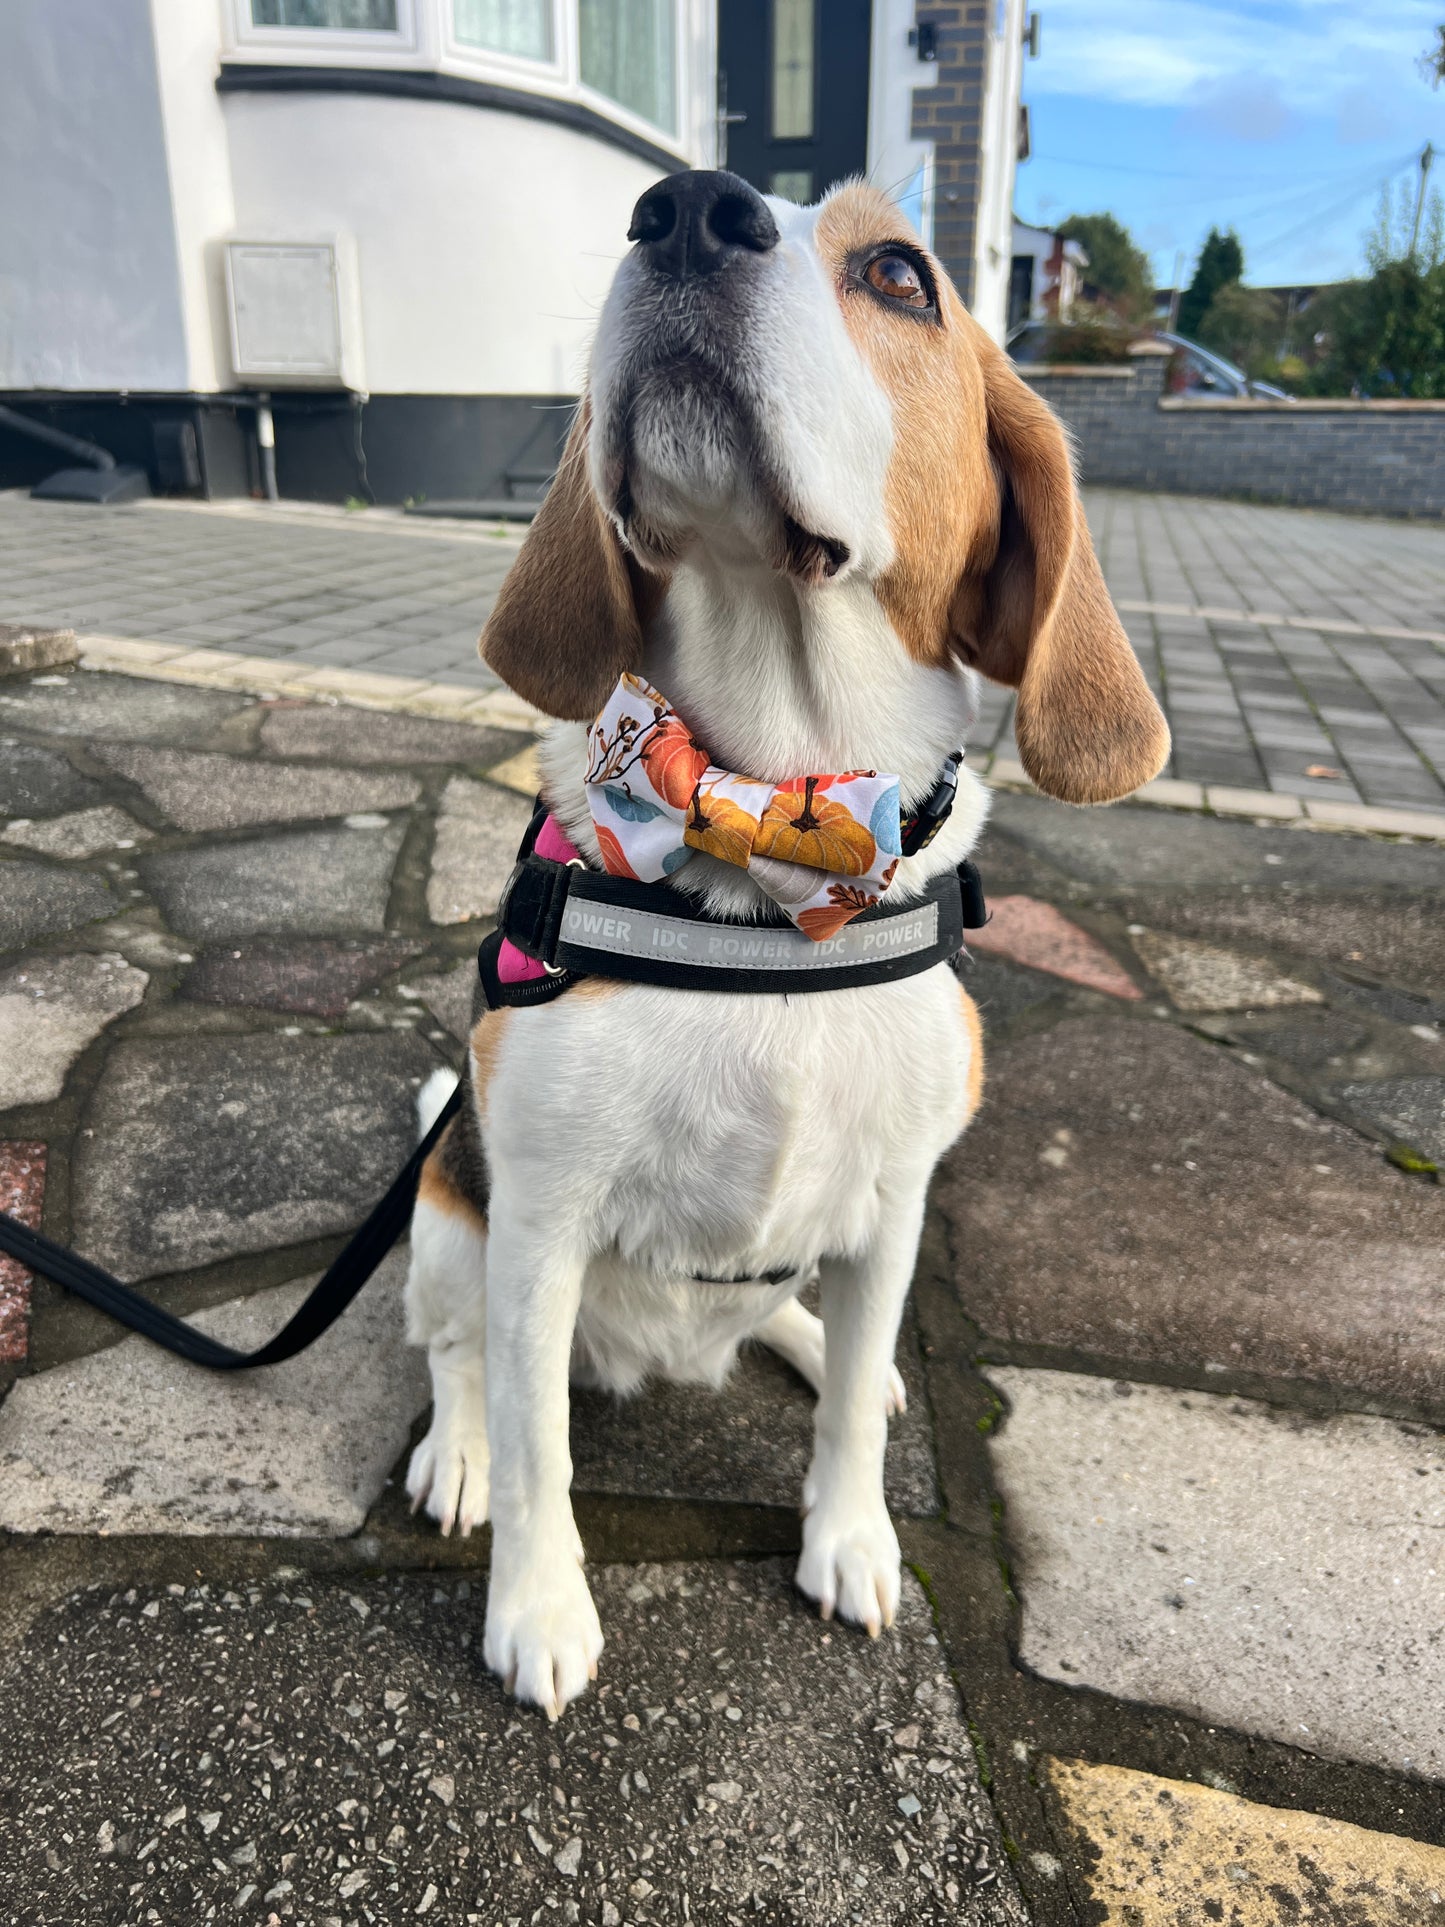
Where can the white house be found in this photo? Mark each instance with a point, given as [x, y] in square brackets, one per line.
[396, 219]
[1048, 275]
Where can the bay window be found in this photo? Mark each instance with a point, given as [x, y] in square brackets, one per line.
[334, 16]
[628, 51]
[622, 59]
[522, 28]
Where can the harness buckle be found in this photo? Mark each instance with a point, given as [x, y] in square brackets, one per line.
[929, 818]
[529, 913]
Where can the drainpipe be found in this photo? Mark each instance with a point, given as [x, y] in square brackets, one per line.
[57, 438]
[266, 443]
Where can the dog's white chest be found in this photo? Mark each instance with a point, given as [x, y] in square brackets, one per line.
[723, 1135]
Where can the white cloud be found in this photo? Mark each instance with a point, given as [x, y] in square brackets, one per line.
[1162, 53]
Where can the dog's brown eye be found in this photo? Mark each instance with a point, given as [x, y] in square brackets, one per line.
[896, 276]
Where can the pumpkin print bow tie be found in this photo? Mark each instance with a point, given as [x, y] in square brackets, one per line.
[823, 847]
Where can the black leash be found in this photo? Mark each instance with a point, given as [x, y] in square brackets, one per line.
[333, 1292]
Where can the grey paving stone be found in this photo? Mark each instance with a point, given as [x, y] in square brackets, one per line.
[36, 901]
[750, 1443]
[774, 1768]
[24, 648]
[1411, 1109]
[50, 1009]
[1400, 1006]
[1086, 1197]
[1307, 1039]
[1391, 935]
[478, 830]
[1253, 1567]
[198, 791]
[1125, 848]
[343, 735]
[450, 995]
[81, 833]
[117, 709]
[318, 977]
[321, 883]
[133, 1440]
[1202, 976]
[199, 1148]
[39, 782]
[1004, 991]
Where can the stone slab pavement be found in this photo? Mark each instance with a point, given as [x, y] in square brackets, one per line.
[1297, 653]
[1168, 1486]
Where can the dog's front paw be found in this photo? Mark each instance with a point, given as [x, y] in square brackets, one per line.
[543, 1636]
[850, 1564]
[450, 1474]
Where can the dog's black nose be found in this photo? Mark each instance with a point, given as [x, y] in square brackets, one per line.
[697, 222]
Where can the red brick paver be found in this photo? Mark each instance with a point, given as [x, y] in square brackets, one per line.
[1026, 931]
[22, 1188]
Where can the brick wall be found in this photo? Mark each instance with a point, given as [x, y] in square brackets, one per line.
[950, 114]
[1382, 458]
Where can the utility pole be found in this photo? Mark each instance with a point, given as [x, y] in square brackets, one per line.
[1174, 291]
[1427, 155]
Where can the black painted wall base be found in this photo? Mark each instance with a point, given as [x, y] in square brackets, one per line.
[329, 447]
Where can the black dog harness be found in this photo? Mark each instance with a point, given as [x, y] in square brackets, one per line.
[580, 923]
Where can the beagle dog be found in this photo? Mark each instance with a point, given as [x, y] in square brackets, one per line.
[808, 498]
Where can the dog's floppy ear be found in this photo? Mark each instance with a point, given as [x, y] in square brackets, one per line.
[568, 620]
[1035, 615]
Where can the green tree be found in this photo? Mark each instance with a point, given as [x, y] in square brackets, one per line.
[1247, 326]
[1432, 61]
[1221, 260]
[1118, 270]
[1385, 335]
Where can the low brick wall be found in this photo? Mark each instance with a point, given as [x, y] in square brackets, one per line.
[1376, 457]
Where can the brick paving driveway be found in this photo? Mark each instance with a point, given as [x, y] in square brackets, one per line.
[368, 591]
[1297, 652]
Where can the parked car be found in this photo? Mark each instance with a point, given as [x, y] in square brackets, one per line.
[1194, 370]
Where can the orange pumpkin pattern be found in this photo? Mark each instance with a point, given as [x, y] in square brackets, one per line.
[827, 844]
[720, 827]
[673, 762]
[817, 830]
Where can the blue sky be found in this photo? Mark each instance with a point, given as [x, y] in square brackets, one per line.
[1280, 118]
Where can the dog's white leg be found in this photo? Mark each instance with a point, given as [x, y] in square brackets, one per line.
[849, 1562]
[797, 1336]
[542, 1635]
[446, 1311]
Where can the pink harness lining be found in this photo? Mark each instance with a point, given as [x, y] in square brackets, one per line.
[513, 965]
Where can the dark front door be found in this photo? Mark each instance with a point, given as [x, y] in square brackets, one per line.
[797, 71]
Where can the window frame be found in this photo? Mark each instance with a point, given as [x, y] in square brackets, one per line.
[303, 44]
[614, 109]
[463, 57]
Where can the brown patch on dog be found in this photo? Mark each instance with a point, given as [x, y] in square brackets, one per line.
[486, 1042]
[994, 558]
[438, 1187]
[973, 1024]
[591, 988]
[568, 619]
[940, 490]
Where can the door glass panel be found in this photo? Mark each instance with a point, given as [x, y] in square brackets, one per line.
[793, 43]
[792, 184]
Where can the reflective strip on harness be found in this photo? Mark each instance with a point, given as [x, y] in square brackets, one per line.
[644, 933]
